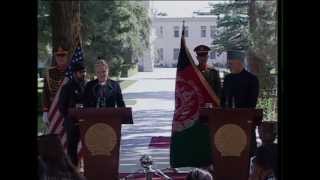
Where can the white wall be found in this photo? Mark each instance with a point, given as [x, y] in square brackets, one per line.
[168, 42]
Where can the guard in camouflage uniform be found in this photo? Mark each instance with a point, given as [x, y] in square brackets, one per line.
[210, 74]
[53, 79]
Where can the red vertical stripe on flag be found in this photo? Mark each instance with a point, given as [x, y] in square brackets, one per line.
[54, 116]
[56, 119]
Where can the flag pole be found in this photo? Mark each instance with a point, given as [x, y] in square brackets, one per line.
[183, 21]
[183, 27]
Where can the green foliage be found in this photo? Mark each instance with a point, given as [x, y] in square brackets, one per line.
[40, 94]
[268, 101]
[260, 38]
[115, 30]
[264, 35]
[44, 30]
[116, 62]
[118, 31]
[232, 21]
[263, 38]
[269, 106]
[41, 125]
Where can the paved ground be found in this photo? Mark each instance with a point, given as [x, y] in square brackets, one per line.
[152, 115]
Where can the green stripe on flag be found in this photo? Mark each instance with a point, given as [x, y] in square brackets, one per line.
[191, 147]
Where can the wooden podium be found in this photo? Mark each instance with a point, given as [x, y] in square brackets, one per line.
[100, 130]
[230, 131]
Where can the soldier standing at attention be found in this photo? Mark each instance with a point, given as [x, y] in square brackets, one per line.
[210, 74]
[53, 79]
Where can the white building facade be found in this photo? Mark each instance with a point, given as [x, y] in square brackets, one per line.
[199, 30]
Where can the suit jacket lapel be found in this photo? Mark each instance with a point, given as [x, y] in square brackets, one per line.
[109, 89]
[95, 89]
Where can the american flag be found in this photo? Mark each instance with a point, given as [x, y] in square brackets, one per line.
[54, 116]
[76, 58]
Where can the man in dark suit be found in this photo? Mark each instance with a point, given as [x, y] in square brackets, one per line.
[210, 74]
[103, 92]
[71, 97]
[240, 88]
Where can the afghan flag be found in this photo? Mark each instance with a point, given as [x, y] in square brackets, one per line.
[190, 139]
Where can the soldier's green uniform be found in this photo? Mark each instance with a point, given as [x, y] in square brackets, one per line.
[213, 78]
[210, 74]
[52, 81]
[200, 152]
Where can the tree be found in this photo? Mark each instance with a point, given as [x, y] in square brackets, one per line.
[44, 31]
[115, 30]
[65, 23]
[263, 38]
[249, 25]
[232, 22]
[264, 23]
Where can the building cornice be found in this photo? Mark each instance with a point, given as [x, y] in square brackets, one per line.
[187, 19]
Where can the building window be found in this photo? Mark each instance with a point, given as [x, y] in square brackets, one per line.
[212, 31]
[176, 31]
[160, 54]
[203, 31]
[161, 32]
[212, 55]
[186, 31]
[176, 53]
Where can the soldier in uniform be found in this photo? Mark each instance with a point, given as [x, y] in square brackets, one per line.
[203, 150]
[210, 74]
[71, 97]
[53, 79]
[240, 88]
[103, 92]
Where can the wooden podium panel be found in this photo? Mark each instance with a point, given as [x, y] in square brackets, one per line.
[124, 114]
[100, 131]
[230, 131]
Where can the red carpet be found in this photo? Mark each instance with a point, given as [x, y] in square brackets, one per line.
[141, 176]
[160, 142]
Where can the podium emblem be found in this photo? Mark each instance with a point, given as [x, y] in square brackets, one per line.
[100, 139]
[230, 140]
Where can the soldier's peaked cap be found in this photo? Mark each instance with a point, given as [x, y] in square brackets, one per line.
[202, 49]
